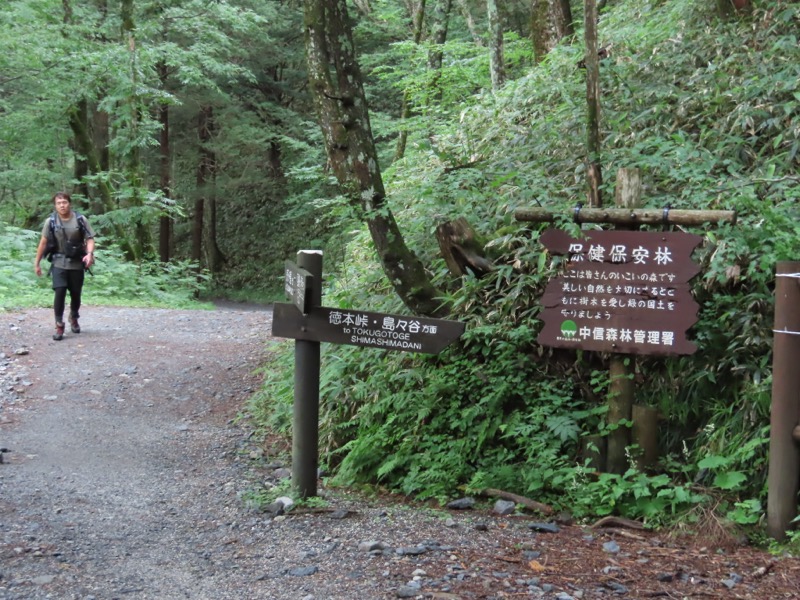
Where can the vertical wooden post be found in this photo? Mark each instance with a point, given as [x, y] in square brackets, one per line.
[645, 434]
[628, 194]
[783, 482]
[305, 417]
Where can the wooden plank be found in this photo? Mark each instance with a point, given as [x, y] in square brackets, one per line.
[367, 329]
[627, 216]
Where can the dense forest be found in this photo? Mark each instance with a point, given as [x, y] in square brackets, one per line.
[209, 141]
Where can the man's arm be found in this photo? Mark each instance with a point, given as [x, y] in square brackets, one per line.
[39, 253]
[88, 260]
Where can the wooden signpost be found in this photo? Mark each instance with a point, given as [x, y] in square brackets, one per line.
[639, 304]
[308, 322]
[783, 482]
[297, 283]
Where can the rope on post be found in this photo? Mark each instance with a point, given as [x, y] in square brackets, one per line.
[576, 215]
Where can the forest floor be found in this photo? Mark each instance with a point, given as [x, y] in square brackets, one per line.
[126, 473]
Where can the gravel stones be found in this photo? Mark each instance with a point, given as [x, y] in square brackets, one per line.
[128, 476]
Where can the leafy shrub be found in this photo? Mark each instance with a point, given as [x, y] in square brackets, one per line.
[708, 110]
[114, 280]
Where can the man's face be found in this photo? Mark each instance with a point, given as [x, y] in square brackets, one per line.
[62, 206]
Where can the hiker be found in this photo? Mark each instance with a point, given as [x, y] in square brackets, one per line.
[67, 241]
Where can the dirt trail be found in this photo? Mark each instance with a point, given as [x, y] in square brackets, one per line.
[126, 477]
[120, 451]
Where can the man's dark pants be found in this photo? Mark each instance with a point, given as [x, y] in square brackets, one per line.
[67, 280]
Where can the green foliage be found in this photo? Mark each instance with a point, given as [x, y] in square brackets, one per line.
[708, 110]
[114, 280]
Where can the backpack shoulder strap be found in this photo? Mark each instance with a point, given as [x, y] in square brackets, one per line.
[81, 223]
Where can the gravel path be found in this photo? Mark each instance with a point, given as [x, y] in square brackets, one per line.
[125, 475]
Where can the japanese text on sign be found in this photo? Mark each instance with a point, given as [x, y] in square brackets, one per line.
[391, 332]
[623, 291]
[364, 328]
[619, 254]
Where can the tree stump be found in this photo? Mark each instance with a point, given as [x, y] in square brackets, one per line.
[461, 250]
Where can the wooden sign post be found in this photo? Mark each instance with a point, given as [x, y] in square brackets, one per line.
[305, 413]
[623, 291]
[308, 322]
[783, 481]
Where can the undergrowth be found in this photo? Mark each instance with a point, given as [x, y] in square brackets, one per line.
[709, 110]
[113, 280]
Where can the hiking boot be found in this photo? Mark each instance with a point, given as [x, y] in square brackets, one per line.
[59, 334]
[73, 325]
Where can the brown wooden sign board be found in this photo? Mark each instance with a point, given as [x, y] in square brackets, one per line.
[675, 304]
[366, 329]
[621, 291]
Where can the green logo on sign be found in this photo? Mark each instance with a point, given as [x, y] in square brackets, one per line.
[569, 329]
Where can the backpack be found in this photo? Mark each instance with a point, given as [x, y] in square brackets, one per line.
[71, 250]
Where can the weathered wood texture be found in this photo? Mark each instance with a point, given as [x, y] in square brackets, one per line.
[545, 509]
[783, 481]
[627, 216]
[645, 434]
[621, 389]
[461, 250]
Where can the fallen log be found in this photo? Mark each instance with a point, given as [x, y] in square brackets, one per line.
[617, 522]
[522, 500]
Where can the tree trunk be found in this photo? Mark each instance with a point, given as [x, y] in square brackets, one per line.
[461, 249]
[205, 123]
[86, 158]
[215, 256]
[551, 21]
[165, 221]
[141, 244]
[438, 36]
[496, 60]
[405, 111]
[562, 19]
[78, 117]
[540, 29]
[593, 170]
[470, 21]
[336, 85]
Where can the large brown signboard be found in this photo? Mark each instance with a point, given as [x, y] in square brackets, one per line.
[621, 291]
[363, 328]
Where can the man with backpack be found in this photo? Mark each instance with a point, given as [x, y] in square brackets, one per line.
[68, 242]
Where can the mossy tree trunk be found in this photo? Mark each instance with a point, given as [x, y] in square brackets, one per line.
[496, 57]
[337, 87]
[205, 124]
[593, 170]
[550, 22]
[418, 18]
